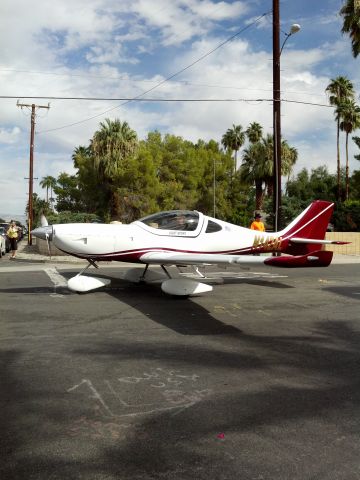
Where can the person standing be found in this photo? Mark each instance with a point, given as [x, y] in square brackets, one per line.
[12, 233]
[257, 224]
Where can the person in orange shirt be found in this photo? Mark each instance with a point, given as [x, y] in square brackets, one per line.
[257, 224]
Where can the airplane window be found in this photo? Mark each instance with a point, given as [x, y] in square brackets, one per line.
[173, 220]
[213, 227]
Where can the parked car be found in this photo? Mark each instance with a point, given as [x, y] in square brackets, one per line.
[7, 239]
[2, 245]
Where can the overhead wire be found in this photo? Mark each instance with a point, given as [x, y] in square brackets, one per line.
[164, 100]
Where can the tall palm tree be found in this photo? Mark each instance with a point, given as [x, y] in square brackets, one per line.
[255, 169]
[48, 182]
[349, 113]
[258, 165]
[254, 132]
[111, 146]
[80, 154]
[339, 89]
[289, 156]
[350, 12]
[234, 139]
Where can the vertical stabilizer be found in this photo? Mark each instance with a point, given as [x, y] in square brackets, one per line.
[312, 223]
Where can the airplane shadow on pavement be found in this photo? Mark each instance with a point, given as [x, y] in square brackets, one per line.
[181, 314]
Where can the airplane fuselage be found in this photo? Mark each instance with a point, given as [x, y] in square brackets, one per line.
[127, 243]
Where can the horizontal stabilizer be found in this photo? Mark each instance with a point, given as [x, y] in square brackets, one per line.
[320, 258]
[316, 241]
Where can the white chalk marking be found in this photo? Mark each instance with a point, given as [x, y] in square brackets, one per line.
[94, 394]
[189, 399]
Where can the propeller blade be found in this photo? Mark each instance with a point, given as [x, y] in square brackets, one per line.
[48, 244]
[43, 221]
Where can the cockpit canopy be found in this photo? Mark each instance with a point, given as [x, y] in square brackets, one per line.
[184, 220]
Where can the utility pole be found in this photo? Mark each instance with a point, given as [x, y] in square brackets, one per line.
[276, 116]
[31, 164]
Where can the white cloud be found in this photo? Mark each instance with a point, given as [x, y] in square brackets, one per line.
[9, 135]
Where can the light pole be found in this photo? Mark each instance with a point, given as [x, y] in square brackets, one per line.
[277, 110]
[214, 188]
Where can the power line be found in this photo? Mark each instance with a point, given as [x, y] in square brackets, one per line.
[166, 100]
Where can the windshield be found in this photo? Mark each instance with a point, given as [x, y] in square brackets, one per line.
[173, 220]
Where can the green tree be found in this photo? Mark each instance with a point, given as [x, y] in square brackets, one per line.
[69, 196]
[357, 142]
[339, 89]
[307, 187]
[94, 199]
[258, 166]
[39, 206]
[355, 185]
[112, 147]
[233, 140]
[256, 169]
[48, 182]
[349, 113]
[350, 12]
[254, 132]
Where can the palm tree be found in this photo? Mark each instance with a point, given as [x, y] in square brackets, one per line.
[80, 154]
[289, 156]
[350, 12]
[111, 147]
[357, 142]
[339, 89]
[233, 140]
[349, 113]
[48, 182]
[258, 165]
[255, 169]
[254, 132]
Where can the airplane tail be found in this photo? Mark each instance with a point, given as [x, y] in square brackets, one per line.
[310, 225]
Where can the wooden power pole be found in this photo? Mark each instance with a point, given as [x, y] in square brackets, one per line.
[277, 208]
[31, 164]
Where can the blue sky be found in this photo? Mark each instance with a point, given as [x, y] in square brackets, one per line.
[102, 48]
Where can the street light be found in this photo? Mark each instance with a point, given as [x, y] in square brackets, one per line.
[277, 110]
[295, 27]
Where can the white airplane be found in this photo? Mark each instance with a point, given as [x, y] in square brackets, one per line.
[182, 238]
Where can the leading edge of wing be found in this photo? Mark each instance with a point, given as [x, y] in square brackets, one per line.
[320, 258]
[169, 258]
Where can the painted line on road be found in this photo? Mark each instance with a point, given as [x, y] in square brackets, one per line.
[57, 279]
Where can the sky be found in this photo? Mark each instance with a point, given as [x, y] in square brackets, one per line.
[156, 49]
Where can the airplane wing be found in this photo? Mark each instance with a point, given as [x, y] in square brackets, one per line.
[319, 258]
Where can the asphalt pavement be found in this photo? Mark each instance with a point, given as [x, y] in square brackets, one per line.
[257, 380]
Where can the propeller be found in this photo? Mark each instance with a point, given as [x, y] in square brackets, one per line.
[48, 233]
[44, 233]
